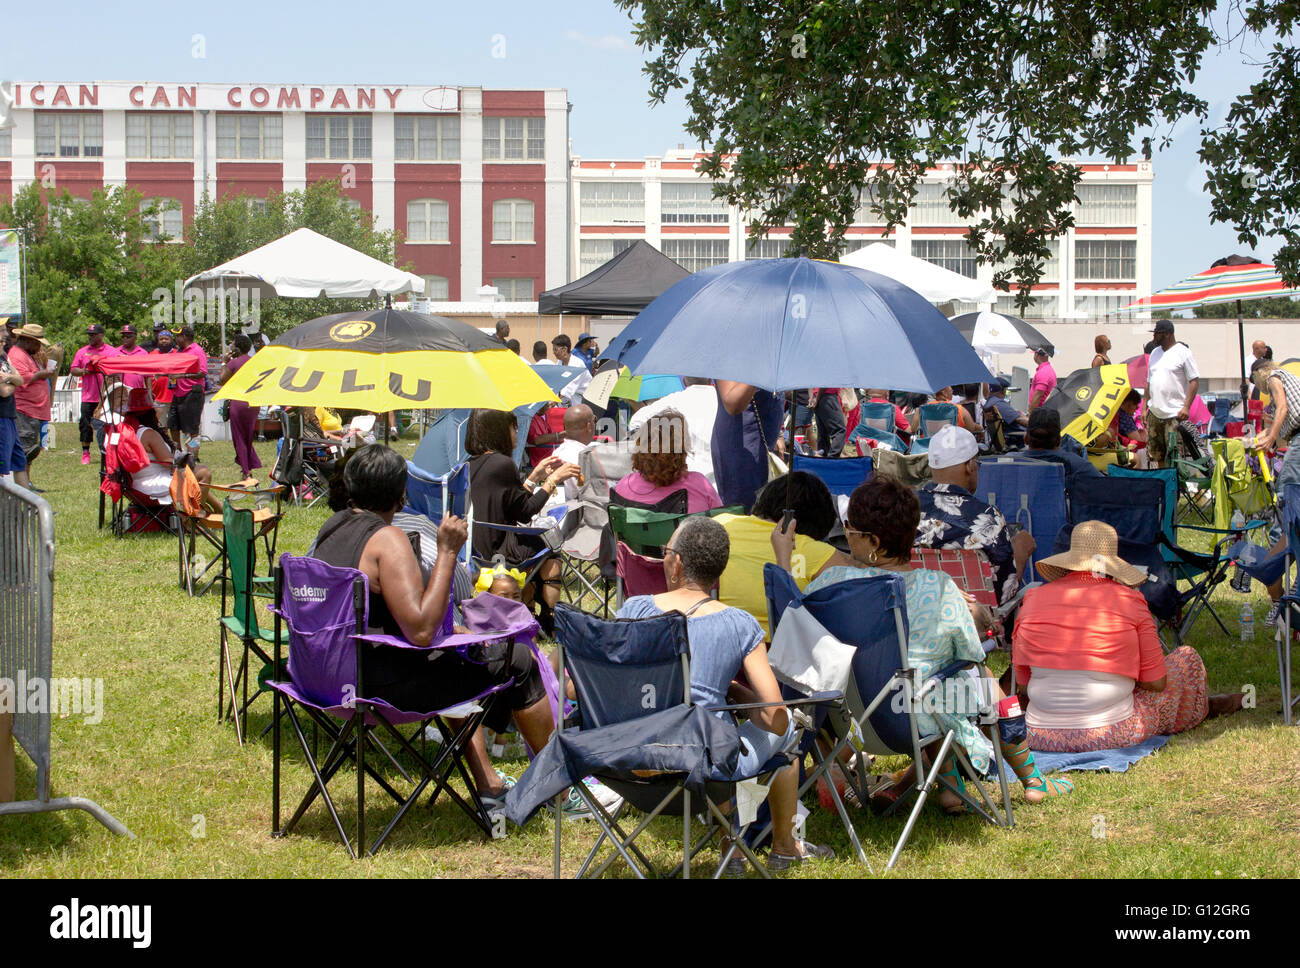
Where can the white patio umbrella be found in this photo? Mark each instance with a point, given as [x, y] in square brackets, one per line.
[935, 283]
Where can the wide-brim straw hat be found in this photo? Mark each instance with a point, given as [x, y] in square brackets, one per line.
[1094, 547]
[33, 331]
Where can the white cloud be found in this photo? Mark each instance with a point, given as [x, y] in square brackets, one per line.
[603, 42]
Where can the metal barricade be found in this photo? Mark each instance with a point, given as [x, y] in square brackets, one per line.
[26, 641]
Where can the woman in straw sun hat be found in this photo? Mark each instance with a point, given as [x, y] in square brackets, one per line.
[1087, 654]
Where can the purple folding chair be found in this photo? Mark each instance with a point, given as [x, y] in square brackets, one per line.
[324, 610]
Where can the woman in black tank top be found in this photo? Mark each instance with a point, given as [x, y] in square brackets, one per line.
[402, 605]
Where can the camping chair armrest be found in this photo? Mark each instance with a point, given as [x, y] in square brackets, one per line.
[813, 700]
[395, 642]
[947, 672]
[1250, 525]
[251, 491]
[1290, 598]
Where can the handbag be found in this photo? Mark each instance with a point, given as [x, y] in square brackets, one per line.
[776, 467]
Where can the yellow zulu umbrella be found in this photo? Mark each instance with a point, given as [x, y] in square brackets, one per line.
[1088, 400]
[386, 360]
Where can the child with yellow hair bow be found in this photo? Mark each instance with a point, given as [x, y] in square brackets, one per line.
[503, 581]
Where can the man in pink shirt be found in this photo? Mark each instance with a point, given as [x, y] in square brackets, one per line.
[33, 397]
[186, 414]
[1044, 381]
[91, 385]
[136, 381]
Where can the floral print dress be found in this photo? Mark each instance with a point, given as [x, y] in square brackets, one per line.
[940, 631]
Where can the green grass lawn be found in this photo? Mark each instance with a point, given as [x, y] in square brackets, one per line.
[1220, 801]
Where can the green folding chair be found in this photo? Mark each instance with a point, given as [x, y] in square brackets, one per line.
[240, 622]
[646, 532]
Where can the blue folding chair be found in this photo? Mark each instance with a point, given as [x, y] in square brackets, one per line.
[1291, 600]
[933, 417]
[1030, 493]
[919, 445]
[1222, 414]
[879, 415]
[884, 690]
[443, 446]
[629, 670]
[840, 474]
[433, 495]
[864, 432]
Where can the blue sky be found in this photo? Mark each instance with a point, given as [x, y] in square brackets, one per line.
[583, 45]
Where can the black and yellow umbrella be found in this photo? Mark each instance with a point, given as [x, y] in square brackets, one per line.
[386, 360]
[1088, 400]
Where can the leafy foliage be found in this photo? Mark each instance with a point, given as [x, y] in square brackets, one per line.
[1251, 309]
[94, 261]
[808, 110]
[87, 260]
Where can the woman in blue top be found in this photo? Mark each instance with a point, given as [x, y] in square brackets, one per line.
[725, 641]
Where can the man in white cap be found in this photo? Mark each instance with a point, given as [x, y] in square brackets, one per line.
[952, 517]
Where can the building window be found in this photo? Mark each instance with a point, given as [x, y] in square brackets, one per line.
[257, 206]
[594, 253]
[864, 213]
[6, 143]
[512, 220]
[421, 138]
[861, 242]
[249, 136]
[1099, 306]
[952, 254]
[428, 220]
[766, 248]
[696, 254]
[69, 134]
[512, 138]
[63, 206]
[437, 288]
[930, 207]
[163, 218]
[1051, 268]
[1040, 307]
[692, 202]
[611, 203]
[150, 135]
[1097, 260]
[1107, 205]
[338, 136]
[514, 290]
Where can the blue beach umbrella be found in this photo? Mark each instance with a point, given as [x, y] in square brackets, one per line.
[785, 324]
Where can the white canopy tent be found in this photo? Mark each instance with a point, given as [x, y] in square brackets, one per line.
[935, 283]
[305, 264]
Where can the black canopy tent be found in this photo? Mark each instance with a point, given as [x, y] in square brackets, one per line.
[623, 286]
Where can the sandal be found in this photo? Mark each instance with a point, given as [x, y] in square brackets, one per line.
[1058, 786]
[959, 787]
[803, 850]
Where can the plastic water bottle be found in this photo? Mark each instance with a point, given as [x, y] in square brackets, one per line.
[1247, 620]
[1240, 580]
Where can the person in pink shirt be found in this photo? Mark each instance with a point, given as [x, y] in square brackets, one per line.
[186, 416]
[33, 397]
[92, 384]
[659, 466]
[1044, 381]
[136, 381]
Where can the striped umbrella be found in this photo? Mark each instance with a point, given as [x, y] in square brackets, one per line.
[1235, 278]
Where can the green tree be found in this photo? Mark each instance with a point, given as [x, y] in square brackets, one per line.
[88, 261]
[232, 226]
[808, 110]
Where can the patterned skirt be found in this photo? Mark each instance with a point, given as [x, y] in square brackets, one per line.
[1182, 705]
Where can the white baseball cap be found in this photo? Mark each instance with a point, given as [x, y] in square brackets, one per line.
[952, 445]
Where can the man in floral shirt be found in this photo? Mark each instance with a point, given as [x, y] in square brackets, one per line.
[952, 517]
